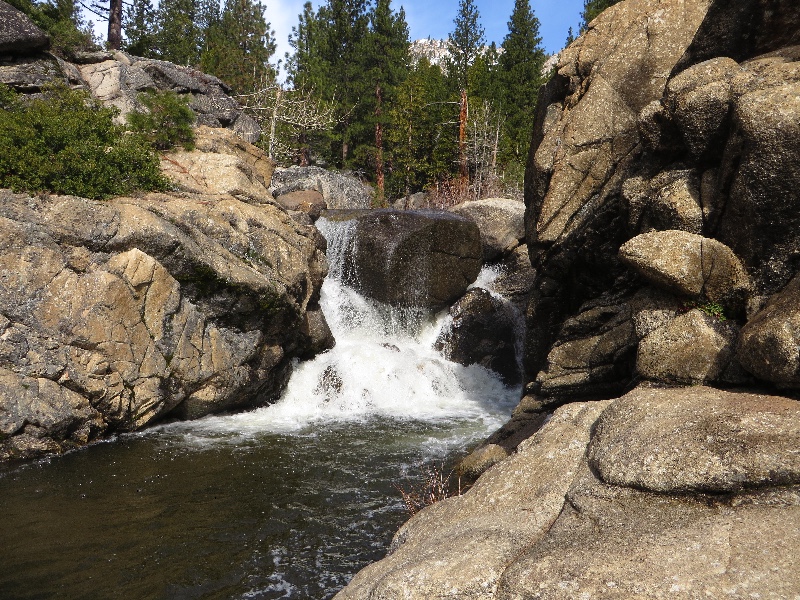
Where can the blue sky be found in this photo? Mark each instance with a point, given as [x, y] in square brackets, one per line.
[434, 18]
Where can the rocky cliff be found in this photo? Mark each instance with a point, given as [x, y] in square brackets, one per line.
[662, 197]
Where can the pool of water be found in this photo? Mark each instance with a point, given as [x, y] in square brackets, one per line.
[287, 501]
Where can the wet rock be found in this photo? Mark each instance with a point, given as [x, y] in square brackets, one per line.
[479, 461]
[482, 332]
[412, 258]
[309, 202]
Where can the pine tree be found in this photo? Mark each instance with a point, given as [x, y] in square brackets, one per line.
[465, 44]
[384, 58]
[305, 66]
[521, 65]
[139, 24]
[239, 46]
[345, 23]
[177, 34]
[422, 132]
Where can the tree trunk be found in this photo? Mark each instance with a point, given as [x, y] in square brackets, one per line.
[115, 24]
[462, 143]
[379, 176]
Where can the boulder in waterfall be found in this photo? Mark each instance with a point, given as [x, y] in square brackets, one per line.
[115, 314]
[482, 331]
[18, 34]
[339, 190]
[501, 222]
[516, 278]
[422, 259]
[690, 265]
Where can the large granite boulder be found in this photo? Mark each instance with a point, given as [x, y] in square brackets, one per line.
[483, 331]
[423, 259]
[339, 191]
[221, 163]
[761, 167]
[688, 264]
[18, 34]
[586, 143]
[464, 544]
[701, 486]
[592, 356]
[118, 81]
[116, 314]
[693, 348]
[501, 222]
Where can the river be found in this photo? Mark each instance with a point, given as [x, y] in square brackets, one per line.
[287, 501]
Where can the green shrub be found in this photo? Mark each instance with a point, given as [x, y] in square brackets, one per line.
[167, 122]
[67, 143]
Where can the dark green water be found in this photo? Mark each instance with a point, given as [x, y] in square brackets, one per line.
[180, 514]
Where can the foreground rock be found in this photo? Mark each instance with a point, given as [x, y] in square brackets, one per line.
[549, 523]
[116, 314]
[420, 259]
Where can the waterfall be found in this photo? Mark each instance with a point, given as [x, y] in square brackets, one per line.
[382, 367]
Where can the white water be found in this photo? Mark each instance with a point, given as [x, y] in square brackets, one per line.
[382, 367]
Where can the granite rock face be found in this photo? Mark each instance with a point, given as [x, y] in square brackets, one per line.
[339, 191]
[116, 314]
[698, 486]
[501, 223]
[19, 35]
[665, 158]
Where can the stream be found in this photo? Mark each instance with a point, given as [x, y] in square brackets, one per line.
[286, 501]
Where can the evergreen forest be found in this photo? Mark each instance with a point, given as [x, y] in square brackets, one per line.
[352, 96]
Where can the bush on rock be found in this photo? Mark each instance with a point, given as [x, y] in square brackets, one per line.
[65, 142]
